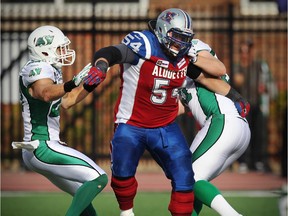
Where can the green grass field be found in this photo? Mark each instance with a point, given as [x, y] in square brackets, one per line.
[146, 204]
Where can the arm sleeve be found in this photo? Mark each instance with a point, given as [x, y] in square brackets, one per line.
[128, 56]
[115, 54]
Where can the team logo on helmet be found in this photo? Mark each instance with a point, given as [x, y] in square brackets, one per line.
[46, 40]
[168, 16]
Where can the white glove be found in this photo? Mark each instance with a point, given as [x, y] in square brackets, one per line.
[193, 54]
[81, 75]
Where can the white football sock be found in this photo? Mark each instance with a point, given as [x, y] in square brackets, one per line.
[128, 212]
[220, 205]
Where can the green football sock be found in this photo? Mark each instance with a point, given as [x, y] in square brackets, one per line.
[89, 211]
[205, 192]
[194, 213]
[85, 194]
[197, 207]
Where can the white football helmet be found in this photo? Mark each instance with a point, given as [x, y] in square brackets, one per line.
[174, 29]
[49, 44]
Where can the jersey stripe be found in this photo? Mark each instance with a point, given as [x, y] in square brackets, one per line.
[147, 45]
[129, 87]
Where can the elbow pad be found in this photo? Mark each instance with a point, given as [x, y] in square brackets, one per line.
[193, 71]
[111, 54]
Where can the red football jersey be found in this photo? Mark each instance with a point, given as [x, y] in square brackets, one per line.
[149, 86]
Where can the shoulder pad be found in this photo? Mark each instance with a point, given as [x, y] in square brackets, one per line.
[200, 45]
[139, 42]
[34, 71]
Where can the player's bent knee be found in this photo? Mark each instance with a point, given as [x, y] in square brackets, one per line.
[102, 180]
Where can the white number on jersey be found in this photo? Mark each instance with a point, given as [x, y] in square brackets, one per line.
[134, 45]
[159, 95]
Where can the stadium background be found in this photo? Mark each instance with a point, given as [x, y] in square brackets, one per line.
[88, 127]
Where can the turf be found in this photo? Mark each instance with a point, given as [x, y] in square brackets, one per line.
[146, 204]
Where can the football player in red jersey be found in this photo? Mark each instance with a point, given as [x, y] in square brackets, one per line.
[154, 64]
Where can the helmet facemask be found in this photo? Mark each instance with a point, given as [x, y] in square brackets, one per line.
[64, 55]
[178, 42]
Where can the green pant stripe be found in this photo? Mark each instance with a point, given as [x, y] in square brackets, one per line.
[50, 156]
[213, 134]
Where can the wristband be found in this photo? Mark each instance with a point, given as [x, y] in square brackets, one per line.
[193, 71]
[89, 88]
[102, 65]
[68, 86]
[233, 95]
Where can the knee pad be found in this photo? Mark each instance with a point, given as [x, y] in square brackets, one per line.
[181, 203]
[125, 191]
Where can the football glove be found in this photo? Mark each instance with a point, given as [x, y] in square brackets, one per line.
[68, 86]
[82, 74]
[94, 78]
[193, 54]
[243, 107]
[241, 104]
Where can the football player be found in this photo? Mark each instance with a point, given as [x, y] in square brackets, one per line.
[154, 64]
[223, 137]
[42, 93]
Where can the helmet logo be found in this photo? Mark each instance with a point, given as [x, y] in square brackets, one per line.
[43, 41]
[168, 16]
